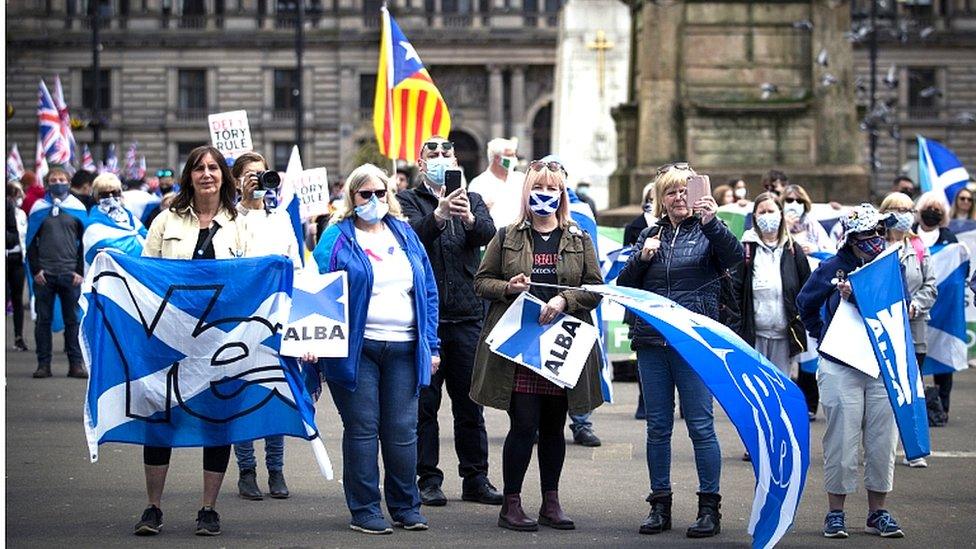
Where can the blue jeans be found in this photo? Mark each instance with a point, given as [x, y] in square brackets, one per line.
[580, 421]
[661, 370]
[380, 414]
[274, 454]
[57, 286]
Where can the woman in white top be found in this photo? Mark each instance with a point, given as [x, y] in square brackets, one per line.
[393, 349]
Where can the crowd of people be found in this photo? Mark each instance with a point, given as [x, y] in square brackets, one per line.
[431, 272]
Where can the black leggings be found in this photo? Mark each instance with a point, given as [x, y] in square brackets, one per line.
[527, 414]
[15, 282]
[215, 458]
[807, 382]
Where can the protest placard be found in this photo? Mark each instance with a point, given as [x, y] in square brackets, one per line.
[230, 133]
[319, 318]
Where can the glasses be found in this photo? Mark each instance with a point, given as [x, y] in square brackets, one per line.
[791, 200]
[164, 173]
[878, 231]
[552, 166]
[432, 147]
[675, 165]
[367, 195]
[964, 199]
[108, 194]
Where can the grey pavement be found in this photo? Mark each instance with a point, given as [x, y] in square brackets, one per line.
[56, 498]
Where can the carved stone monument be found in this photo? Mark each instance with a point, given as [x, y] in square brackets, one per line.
[591, 78]
[738, 88]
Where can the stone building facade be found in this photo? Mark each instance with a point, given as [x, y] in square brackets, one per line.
[166, 64]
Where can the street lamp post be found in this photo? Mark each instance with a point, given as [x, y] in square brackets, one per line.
[96, 118]
[299, 63]
[873, 59]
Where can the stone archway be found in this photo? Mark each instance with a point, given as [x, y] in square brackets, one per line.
[468, 153]
[542, 131]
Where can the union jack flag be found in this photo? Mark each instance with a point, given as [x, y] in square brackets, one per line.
[111, 161]
[15, 165]
[55, 147]
[88, 161]
[62, 107]
[131, 164]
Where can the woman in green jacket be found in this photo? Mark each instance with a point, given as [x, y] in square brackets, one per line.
[543, 246]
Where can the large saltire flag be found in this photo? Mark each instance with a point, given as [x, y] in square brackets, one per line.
[15, 164]
[939, 169]
[408, 108]
[185, 354]
[880, 291]
[105, 233]
[766, 408]
[946, 334]
[42, 208]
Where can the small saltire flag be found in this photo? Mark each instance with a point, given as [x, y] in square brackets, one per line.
[111, 160]
[120, 231]
[289, 200]
[946, 334]
[614, 263]
[41, 210]
[185, 353]
[557, 351]
[408, 108]
[15, 164]
[880, 292]
[939, 169]
[767, 409]
[88, 161]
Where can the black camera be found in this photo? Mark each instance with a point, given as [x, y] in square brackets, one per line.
[268, 180]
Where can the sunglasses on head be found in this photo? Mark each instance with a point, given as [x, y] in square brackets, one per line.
[367, 195]
[107, 194]
[675, 165]
[552, 166]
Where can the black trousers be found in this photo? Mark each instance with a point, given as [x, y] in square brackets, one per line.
[807, 382]
[528, 414]
[458, 344]
[215, 458]
[944, 383]
[15, 285]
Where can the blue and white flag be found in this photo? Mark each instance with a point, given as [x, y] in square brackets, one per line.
[614, 263]
[42, 209]
[939, 169]
[104, 232]
[557, 351]
[768, 410]
[880, 291]
[809, 360]
[185, 354]
[318, 322]
[946, 334]
[289, 200]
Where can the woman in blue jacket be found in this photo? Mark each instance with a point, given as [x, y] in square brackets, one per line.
[393, 349]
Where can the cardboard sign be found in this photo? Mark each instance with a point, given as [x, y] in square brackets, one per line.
[319, 319]
[230, 133]
[556, 351]
[312, 190]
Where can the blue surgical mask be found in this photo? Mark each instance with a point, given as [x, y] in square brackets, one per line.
[768, 223]
[373, 211]
[436, 167]
[543, 204]
[58, 190]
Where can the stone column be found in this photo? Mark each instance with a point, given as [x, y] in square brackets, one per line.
[348, 115]
[659, 137]
[518, 122]
[836, 112]
[495, 101]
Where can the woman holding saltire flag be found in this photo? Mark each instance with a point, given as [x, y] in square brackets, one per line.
[408, 108]
[110, 225]
[855, 404]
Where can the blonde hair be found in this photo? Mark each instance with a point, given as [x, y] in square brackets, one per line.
[545, 175]
[782, 236]
[666, 181]
[355, 181]
[648, 190]
[933, 198]
[105, 182]
[897, 200]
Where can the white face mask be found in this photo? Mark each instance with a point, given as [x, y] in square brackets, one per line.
[19, 202]
[793, 208]
[740, 192]
[903, 221]
[508, 162]
[768, 223]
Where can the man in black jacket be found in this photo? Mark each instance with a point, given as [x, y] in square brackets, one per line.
[453, 229]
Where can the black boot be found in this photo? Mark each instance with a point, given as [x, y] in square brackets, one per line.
[659, 519]
[247, 486]
[513, 517]
[277, 486]
[709, 521]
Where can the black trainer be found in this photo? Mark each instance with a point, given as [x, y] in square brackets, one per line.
[20, 345]
[483, 493]
[208, 522]
[586, 437]
[432, 495]
[151, 522]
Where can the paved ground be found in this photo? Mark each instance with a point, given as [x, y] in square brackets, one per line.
[56, 498]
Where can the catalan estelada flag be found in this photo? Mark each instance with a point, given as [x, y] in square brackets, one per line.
[408, 107]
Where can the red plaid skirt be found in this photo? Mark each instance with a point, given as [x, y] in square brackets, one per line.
[527, 381]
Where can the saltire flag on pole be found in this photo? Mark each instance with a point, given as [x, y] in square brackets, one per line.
[582, 214]
[54, 146]
[62, 106]
[111, 160]
[946, 334]
[939, 169]
[126, 234]
[880, 291]
[408, 108]
[131, 162]
[289, 199]
[88, 161]
[614, 263]
[40, 211]
[185, 354]
[768, 410]
[15, 164]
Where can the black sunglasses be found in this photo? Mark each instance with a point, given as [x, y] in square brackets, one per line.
[366, 195]
[107, 194]
[552, 166]
[675, 165]
[444, 145]
[880, 230]
[791, 200]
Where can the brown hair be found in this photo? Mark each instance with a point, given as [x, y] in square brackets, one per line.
[228, 190]
[783, 235]
[238, 169]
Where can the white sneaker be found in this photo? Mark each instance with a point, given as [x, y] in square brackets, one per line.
[915, 463]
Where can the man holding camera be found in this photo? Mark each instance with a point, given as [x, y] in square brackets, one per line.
[453, 225]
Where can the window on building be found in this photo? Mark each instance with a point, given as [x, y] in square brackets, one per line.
[281, 150]
[456, 6]
[285, 81]
[371, 13]
[104, 89]
[192, 89]
[194, 7]
[923, 93]
[367, 92]
[553, 6]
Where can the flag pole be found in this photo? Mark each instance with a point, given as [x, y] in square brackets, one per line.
[384, 13]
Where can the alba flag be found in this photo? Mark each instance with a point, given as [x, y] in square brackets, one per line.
[408, 108]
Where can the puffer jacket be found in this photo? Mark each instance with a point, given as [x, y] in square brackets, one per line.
[688, 268]
[454, 253]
